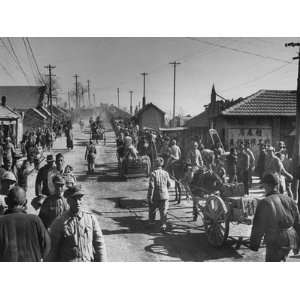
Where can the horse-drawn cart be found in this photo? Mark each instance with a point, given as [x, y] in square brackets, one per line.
[218, 210]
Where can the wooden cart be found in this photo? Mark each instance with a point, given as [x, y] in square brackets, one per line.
[219, 211]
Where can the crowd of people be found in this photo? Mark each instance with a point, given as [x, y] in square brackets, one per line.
[62, 229]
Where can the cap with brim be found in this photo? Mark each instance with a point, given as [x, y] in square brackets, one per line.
[9, 176]
[50, 157]
[74, 191]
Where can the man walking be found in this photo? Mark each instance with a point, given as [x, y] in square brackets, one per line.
[158, 194]
[274, 219]
[41, 183]
[54, 205]
[90, 156]
[23, 237]
[76, 235]
[243, 166]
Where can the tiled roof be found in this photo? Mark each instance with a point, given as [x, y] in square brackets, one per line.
[265, 103]
[200, 120]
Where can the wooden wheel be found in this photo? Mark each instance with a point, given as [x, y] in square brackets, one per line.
[216, 221]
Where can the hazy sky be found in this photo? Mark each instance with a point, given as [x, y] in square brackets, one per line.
[249, 65]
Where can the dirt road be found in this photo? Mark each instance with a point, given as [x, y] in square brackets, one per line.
[122, 212]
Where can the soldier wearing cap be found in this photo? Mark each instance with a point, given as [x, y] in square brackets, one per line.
[8, 181]
[54, 205]
[76, 235]
[41, 183]
[23, 236]
[275, 218]
[158, 194]
[9, 153]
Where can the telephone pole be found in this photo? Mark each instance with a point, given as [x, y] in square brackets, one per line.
[76, 90]
[144, 88]
[94, 99]
[49, 67]
[118, 95]
[296, 152]
[89, 93]
[131, 92]
[82, 94]
[174, 63]
[69, 100]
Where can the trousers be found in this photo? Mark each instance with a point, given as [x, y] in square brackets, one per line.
[162, 206]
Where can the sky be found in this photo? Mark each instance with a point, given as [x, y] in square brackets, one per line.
[236, 66]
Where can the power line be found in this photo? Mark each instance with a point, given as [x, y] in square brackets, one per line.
[257, 78]
[35, 61]
[17, 60]
[238, 50]
[30, 60]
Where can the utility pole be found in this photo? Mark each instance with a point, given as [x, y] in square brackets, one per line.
[118, 94]
[174, 63]
[144, 88]
[89, 95]
[76, 90]
[82, 94]
[69, 100]
[49, 67]
[296, 152]
[131, 92]
[94, 100]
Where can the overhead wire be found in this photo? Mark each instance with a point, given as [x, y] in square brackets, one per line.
[17, 60]
[238, 50]
[35, 61]
[30, 61]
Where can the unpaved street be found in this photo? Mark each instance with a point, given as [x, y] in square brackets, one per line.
[122, 212]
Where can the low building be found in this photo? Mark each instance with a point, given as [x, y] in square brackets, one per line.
[33, 118]
[11, 122]
[150, 116]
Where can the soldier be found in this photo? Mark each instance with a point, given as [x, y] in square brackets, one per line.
[41, 183]
[54, 205]
[76, 235]
[8, 181]
[274, 219]
[9, 153]
[90, 156]
[23, 237]
[158, 194]
[243, 166]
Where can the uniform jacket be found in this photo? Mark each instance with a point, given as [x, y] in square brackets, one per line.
[23, 237]
[76, 238]
[274, 219]
[41, 183]
[52, 207]
[243, 162]
[158, 185]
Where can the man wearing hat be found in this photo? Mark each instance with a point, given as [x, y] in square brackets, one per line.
[275, 218]
[9, 153]
[58, 169]
[41, 183]
[23, 237]
[274, 165]
[8, 181]
[54, 205]
[76, 235]
[158, 194]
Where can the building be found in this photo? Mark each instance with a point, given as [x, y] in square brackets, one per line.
[150, 116]
[33, 118]
[267, 116]
[11, 122]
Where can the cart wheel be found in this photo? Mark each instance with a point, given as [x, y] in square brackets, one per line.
[216, 221]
